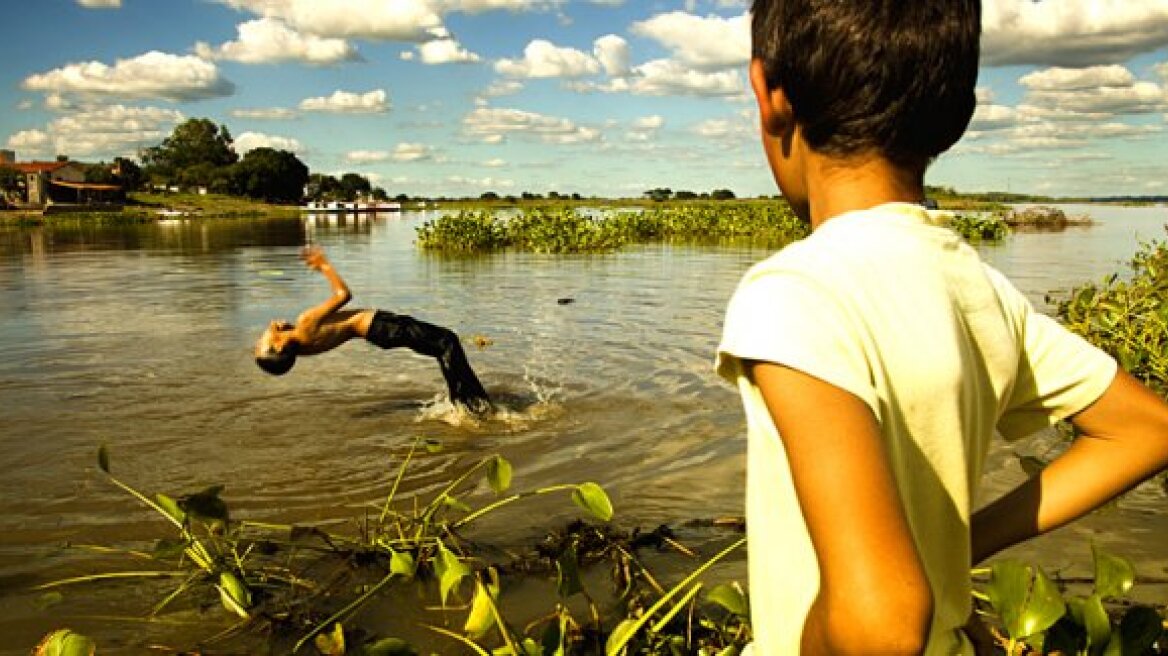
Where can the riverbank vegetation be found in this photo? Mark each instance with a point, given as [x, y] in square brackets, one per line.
[304, 590]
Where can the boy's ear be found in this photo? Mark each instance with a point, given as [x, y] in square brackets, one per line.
[774, 112]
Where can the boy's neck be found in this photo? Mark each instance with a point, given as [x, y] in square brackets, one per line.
[836, 186]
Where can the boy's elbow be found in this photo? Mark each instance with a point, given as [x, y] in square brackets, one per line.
[880, 624]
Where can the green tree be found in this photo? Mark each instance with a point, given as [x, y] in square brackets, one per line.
[100, 173]
[129, 174]
[198, 141]
[354, 185]
[722, 194]
[489, 195]
[11, 185]
[272, 175]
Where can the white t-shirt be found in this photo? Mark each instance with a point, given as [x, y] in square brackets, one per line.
[898, 310]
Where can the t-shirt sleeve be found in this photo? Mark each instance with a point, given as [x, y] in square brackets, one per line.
[790, 320]
[1059, 374]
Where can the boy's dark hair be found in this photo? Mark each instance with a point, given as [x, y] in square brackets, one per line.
[279, 362]
[887, 76]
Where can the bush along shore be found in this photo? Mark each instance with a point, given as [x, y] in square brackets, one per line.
[301, 590]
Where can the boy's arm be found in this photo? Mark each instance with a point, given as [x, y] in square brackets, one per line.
[874, 596]
[1123, 441]
[310, 319]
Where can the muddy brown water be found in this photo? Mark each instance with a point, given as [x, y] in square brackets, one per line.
[139, 337]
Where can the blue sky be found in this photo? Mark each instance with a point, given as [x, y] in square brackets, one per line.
[605, 97]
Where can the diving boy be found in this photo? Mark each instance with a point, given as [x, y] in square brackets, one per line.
[877, 357]
[327, 326]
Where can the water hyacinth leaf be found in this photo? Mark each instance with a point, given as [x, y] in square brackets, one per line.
[1026, 600]
[568, 573]
[103, 458]
[552, 640]
[389, 647]
[64, 642]
[1090, 614]
[1139, 629]
[499, 474]
[450, 571]
[402, 563]
[732, 650]
[481, 618]
[205, 505]
[454, 502]
[432, 445]
[731, 597]
[591, 498]
[171, 507]
[1114, 575]
[619, 637]
[331, 643]
[234, 594]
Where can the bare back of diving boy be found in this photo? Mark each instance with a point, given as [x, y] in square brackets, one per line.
[877, 357]
[326, 326]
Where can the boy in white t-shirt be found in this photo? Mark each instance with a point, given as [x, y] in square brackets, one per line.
[876, 357]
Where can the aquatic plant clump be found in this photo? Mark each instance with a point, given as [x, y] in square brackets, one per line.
[1127, 316]
[980, 228]
[566, 230]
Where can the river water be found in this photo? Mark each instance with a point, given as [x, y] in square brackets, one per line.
[139, 337]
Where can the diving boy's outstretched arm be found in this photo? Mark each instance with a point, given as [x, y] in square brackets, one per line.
[311, 318]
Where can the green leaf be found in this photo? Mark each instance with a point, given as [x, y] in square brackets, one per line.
[454, 502]
[64, 642]
[499, 474]
[732, 650]
[592, 499]
[331, 644]
[552, 640]
[169, 548]
[620, 637]
[1114, 575]
[432, 445]
[481, 618]
[450, 571]
[234, 594]
[1026, 600]
[103, 458]
[731, 597]
[1089, 613]
[402, 562]
[1139, 629]
[205, 505]
[389, 647]
[568, 573]
[171, 507]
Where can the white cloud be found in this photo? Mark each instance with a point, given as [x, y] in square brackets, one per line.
[495, 163]
[151, 75]
[252, 140]
[542, 58]
[1072, 79]
[412, 152]
[265, 113]
[491, 125]
[662, 77]
[710, 42]
[375, 20]
[269, 40]
[445, 51]
[653, 122]
[502, 88]
[100, 132]
[723, 129]
[100, 4]
[345, 102]
[33, 140]
[367, 156]
[612, 52]
[476, 6]
[480, 183]
[993, 117]
[1071, 32]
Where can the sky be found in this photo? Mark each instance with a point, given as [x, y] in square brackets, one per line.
[597, 97]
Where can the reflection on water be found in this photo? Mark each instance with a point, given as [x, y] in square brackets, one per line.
[140, 337]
